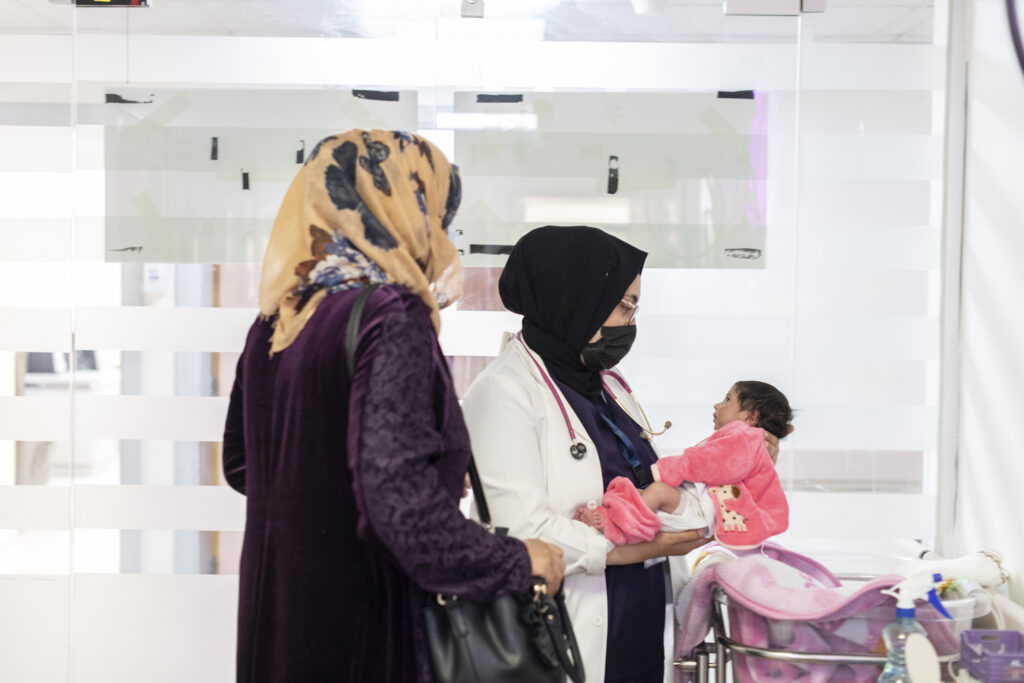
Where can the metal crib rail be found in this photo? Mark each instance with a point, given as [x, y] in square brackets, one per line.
[701, 663]
[814, 657]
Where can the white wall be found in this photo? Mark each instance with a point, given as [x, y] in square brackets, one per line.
[990, 503]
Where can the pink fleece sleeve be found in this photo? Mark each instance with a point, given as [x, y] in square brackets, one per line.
[727, 457]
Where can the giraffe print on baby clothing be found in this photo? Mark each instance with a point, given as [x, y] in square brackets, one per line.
[731, 520]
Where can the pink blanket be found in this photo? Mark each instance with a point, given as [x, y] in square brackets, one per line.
[782, 600]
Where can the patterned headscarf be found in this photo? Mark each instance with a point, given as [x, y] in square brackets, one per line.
[366, 207]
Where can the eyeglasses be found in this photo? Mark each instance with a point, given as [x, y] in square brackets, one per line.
[632, 308]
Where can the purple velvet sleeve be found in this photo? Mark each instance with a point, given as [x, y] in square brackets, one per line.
[234, 437]
[409, 474]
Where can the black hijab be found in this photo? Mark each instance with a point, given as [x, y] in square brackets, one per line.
[566, 281]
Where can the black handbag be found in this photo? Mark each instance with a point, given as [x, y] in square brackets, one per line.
[516, 638]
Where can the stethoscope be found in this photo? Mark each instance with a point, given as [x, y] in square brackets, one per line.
[577, 449]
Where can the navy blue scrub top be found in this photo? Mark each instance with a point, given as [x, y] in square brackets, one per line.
[636, 595]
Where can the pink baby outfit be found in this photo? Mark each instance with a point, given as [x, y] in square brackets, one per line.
[627, 519]
[750, 505]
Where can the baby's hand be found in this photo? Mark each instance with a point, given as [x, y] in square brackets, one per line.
[590, 514]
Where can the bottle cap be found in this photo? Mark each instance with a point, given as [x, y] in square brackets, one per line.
[914, 587]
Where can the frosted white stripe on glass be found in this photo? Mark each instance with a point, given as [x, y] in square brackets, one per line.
[34, 629]
[872, 157]
[906, 247]
[867, 292]
[35, 418]
[616, 112]
[867, 336]
[699, 381]
[202, 508]
[852, 515]
[234, 109]
[34, 507]
[154, 628]
[175, 418]
[141, 328]
[545, 65]
[862, 382]
[714, 337]
[35, 329]
[864, 202]
[155, 195]
[895, 428]
[35, 239]
[17, 280]
[854, 112]
[878, 67]
[38, 58]
[850, 427]
[706, 292]
[475, 333]
[36, 195]
[35, 148]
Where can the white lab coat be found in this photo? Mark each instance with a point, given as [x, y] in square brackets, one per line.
[534, 486]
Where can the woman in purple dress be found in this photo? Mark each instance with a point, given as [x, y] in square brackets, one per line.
[352, 482]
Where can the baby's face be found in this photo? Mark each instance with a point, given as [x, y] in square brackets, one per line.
[728, 409]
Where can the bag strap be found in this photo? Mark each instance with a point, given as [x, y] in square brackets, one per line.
[564, 637]
[559, 629]
[352, 331]
[480, 499]
[351, 341]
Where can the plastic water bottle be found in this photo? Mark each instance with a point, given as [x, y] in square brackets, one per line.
[895, 634]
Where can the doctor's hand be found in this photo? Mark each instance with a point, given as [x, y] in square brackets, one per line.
[546, 562]
[665, 543]
[680, 542]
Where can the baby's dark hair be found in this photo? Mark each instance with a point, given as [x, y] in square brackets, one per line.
[772, 406]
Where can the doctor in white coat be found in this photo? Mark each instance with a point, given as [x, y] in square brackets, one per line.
[550, 428]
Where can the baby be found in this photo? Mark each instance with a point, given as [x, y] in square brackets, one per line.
[729, 476]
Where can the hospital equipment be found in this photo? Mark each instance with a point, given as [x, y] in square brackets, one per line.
[749, 638]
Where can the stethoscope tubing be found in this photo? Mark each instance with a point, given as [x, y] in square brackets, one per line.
[576, 449]
[551, 387]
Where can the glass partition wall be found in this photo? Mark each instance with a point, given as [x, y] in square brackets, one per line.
[785, 174]
[39, 371]
[867, 278]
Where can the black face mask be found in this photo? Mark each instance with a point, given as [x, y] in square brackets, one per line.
[610, 349]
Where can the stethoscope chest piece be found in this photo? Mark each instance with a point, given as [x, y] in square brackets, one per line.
[577, 451]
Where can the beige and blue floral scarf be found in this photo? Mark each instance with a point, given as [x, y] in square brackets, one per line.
[368, 206]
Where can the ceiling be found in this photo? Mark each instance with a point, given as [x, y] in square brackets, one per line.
[679, 21]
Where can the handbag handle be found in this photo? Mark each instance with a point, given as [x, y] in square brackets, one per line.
[561, 632]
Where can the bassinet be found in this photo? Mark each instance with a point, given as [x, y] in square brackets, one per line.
[781, 616]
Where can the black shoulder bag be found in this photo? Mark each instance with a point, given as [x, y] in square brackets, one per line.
[514, 638]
